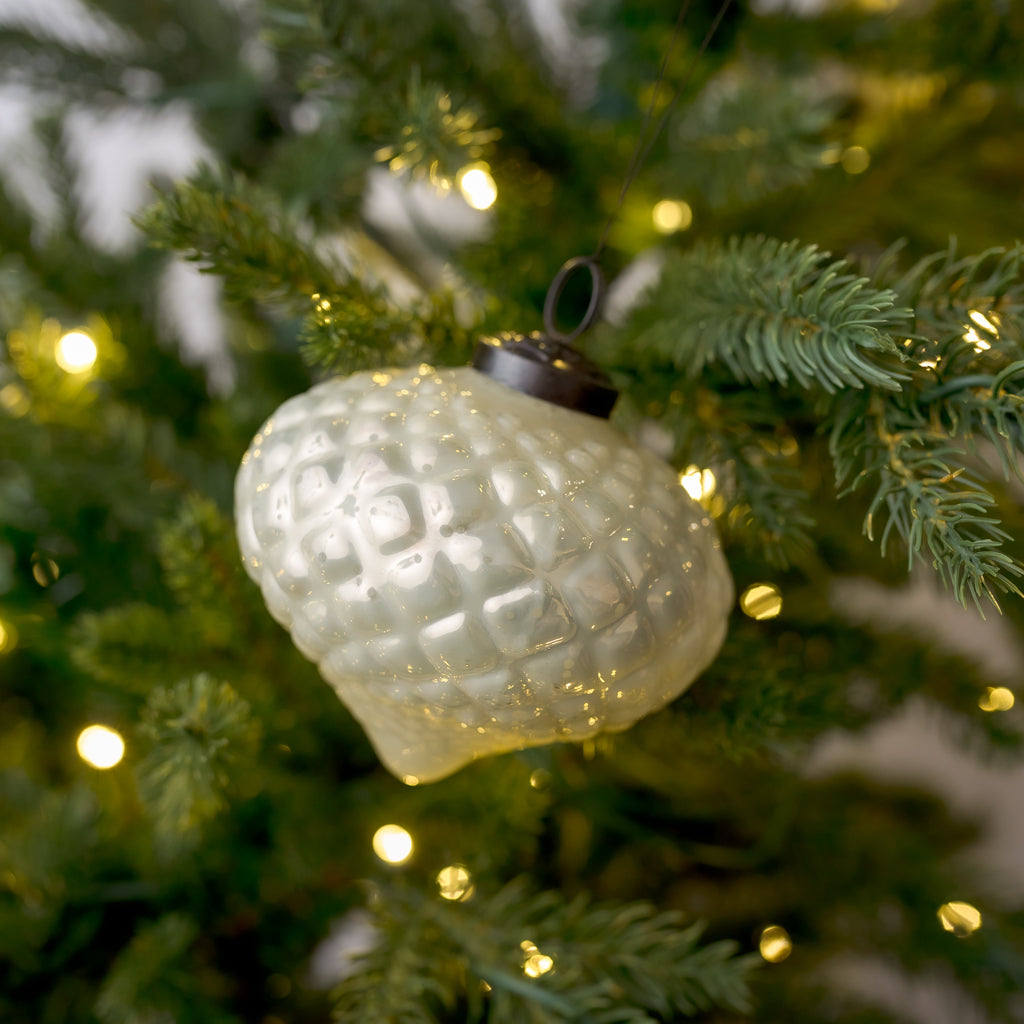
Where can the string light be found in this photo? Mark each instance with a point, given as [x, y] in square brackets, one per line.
[100, 747]
[44, 570]
[775, 945]
[477, 186]
[540, 778]
[698, 483]
[960, 918]
[855, 159]
[831, 154]
[973, 337]
[14, 399]
[8, 637]
[671, 215]
[761, 601]
[392, 844]
[455, 883]
[996, 698]
[410, 780]
[535, 963]
[983, 321]
[75, 352]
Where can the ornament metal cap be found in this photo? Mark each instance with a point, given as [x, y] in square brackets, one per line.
[546, 365]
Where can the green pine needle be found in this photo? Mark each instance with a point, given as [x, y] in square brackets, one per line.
[749, 134]
[772, 311]
[520, 958]
[196, 728]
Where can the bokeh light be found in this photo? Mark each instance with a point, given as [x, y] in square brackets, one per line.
[8, 637]
[962, 919]
[14, 399]
[775, 945]
[75, 352]
[455, 883]
[761, 601]
[855, 159]
[996, 698]
[698, 483]
[535, 963]
[478, 187]
[392, 844]
[45, 571]
[671, 215]
[100, 747]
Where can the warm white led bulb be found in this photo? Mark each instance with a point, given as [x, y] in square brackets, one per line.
[392, 844]
[478, 187]
[100, 747]
[75, 352]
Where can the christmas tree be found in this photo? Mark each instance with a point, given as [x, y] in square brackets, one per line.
[815, 318]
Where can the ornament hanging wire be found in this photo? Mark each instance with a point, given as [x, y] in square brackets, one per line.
[547, 366]
[641, 151]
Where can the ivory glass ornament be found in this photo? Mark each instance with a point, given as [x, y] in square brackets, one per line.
[476, 570]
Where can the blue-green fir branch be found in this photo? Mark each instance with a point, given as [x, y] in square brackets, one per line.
[770, 311]
[944, 290]
[924, 494]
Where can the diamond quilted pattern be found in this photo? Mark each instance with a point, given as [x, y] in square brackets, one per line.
[475, 570]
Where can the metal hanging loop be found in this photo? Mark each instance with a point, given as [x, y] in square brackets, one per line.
[546, 365]
[597, 292]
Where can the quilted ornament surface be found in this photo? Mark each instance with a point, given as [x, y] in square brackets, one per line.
[475, 570]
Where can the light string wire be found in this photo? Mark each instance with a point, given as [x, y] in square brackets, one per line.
[642, 149]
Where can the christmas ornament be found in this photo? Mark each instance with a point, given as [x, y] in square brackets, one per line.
[475, 569]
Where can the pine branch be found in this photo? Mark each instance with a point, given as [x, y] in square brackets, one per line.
[917, 448]
[990, 406]
[749, 134]
[924, 494]
[47, 834]
[149, 979]
[135, 646]
[944, 290]
[197, 729]
[238, 231]
[772, 311]
[541, 961]
[439, 136]
[969, 330]
[202, 567]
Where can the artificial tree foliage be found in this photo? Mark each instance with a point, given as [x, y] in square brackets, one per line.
[833, 328]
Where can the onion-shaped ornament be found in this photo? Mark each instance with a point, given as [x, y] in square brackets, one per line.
[475, 569]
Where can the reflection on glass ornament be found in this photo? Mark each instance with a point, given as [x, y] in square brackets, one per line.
[475, 569]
